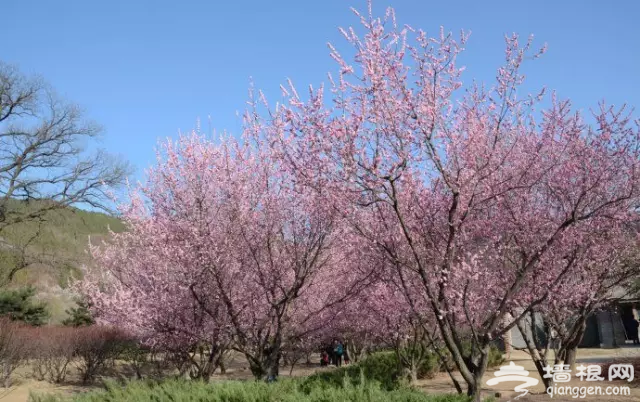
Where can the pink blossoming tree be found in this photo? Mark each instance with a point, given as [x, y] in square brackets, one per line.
[223, 248]
[479, 192]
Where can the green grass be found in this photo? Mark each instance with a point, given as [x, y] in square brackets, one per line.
[288, 390]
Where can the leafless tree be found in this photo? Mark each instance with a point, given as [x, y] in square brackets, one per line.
[44, 152]
[48, 159]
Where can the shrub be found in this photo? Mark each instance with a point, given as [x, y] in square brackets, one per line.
[79, 316]
[430, 366]
[12, 348]
[433, 364]
[51, 349]
[134, 354]
[95, 346]
[19, 306]
[495, 356]
[379, 367]
[250, 391]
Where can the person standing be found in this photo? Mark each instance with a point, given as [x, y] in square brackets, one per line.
[330, 354]
[324, 358]
[338, 351]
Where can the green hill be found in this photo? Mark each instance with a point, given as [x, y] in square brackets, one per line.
[51, 250]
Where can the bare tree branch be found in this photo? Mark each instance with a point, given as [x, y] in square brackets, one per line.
[44, 152]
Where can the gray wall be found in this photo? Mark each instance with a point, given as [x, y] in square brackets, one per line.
[610, 329]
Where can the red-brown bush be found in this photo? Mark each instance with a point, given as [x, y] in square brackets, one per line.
[51, 349]
[95, 346]
[12, 348]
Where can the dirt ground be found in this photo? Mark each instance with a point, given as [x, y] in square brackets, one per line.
[238, 369]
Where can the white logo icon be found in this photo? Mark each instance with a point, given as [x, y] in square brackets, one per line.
[517, 374]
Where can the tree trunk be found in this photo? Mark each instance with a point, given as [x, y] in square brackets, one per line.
[481, 360]
[410, 355]
[539, 359]
[571, 346]
[572, 354]
[412, 373]
[474, 391]
[272, 364]
[266, 366]
[212, 362]
[508, 340]
[6, 375]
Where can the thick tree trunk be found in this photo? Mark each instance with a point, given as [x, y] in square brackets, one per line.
[572, 354]
[471, 371]
[411, 373]
[272, 364]
[266, 365]
[473, 391]
[212, 363]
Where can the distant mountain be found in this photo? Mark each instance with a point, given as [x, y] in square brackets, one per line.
[53, 250]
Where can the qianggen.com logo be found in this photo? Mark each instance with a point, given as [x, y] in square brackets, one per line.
[561, 374]
[583, 391]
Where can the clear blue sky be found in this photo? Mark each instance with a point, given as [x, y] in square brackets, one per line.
[145, 69]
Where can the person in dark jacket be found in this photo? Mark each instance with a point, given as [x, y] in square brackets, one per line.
[338, 350]
[329, 351]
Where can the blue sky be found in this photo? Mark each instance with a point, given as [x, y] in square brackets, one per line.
[145, 69]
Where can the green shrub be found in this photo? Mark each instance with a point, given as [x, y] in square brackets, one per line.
[380, 367]
[19, 306]
[79, 316]
[495, 356]
[430, 366]
[250, 391]
[385, 369]
[134, 354]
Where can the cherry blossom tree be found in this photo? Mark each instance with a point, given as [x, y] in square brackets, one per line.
[223, 248]
[481, 189]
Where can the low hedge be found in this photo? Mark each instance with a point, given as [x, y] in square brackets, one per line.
[384, 368]
[380, 367]
[287, 390]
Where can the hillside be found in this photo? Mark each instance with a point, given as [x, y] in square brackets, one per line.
[52, 250]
